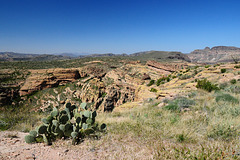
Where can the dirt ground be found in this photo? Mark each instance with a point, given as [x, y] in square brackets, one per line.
[13, 146]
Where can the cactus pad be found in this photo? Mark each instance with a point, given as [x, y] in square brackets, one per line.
[33, 133]
[29, 139]
[64, 119]
[83, 105]
[42, 129]
[87, 114]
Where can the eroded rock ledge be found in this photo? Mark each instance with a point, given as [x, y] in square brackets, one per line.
[41, 79]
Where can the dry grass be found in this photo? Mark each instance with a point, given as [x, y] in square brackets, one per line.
[207, 130]
[20, 119]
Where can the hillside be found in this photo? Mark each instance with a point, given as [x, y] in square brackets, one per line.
[148, 55]
[215, 54]
[161, 56]
[11, 56]
[154, 109]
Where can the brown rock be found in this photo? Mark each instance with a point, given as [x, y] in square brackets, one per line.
[62, 102]
[146, 77]
[215, 54]
[172, 67]
[41, 79]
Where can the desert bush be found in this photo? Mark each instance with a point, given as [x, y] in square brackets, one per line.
[168, 79]
[3, 125]
[233, 81]
[162, 80]
[207, 66]
[151, 83]
[237, 66]
[153, 90]
[192, 94]
[181, 137]
[223, 70]
[206, 85]
[185, 76]
[179, 103]
[233, 89]
[223, 85]
[223, 132]
[226, 98]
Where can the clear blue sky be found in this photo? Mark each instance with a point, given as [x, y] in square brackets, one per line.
[117, 26]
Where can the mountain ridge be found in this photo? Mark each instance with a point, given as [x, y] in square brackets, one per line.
[215, 54]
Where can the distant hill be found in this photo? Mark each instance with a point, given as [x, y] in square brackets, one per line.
[144, 56]
[12, 56]
[215, 54]
[161, 56]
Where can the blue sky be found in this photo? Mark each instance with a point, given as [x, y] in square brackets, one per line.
[117, 26]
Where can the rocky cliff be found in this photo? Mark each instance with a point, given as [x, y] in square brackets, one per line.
[170, 67]
[102, 85]
[215, 54]
[41, 79]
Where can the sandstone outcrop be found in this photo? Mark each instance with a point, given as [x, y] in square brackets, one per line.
[105, 98]
[172, 67]
[146, 77]
[40, 79]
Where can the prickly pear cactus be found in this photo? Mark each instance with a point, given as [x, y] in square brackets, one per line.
[72, 122]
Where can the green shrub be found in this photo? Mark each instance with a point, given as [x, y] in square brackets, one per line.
[179, 74]
[168, 79]
[207, 66]
[162, 80]
[3, 125]
[238, 66]
[195, 67]
[233, 89]
[223, 70]
[153, 90]
[223, 85]
[172, 107]
[151, 83]
[226, 98]
[185, 76]
[179, 103]
[233, 81]
[181, 137]
[206, 85]
[158, 82]
[223, 132]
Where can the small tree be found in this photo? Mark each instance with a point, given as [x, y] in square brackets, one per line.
[206, 85]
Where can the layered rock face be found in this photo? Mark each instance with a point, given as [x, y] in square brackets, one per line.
[215, 54]
[7, 95]
[172, 67]
[106, 88]
[41, 79]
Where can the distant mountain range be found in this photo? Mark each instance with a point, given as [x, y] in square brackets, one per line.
[11, 56]
[215, 54]
[207, 55]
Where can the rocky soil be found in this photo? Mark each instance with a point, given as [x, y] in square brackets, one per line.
[13, 146]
